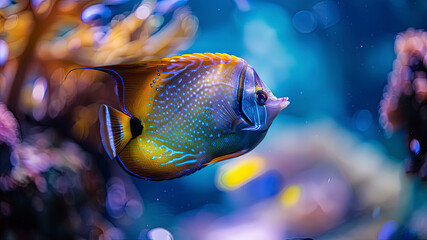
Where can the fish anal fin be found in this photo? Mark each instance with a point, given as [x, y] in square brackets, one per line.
[155, 159]
[225, 157]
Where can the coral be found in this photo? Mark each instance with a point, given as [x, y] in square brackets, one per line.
[8, 126]
[43, 40]
[404, 104]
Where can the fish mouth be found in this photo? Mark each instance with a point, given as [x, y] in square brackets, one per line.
[284, 102]
[240, 95]
[280, 103]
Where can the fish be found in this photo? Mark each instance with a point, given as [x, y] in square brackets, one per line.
[182, 113]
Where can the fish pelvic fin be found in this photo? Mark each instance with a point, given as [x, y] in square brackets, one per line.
[117, 129]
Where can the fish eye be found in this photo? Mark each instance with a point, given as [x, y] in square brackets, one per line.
[261, 97]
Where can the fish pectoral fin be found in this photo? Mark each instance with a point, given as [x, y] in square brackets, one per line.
[115, 128]
[239, 124]
[225, 117]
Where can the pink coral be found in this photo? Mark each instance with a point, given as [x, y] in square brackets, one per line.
[404, 104]
[8, 126]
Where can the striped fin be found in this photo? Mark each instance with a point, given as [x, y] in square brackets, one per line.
[115, 130]
[208, 58]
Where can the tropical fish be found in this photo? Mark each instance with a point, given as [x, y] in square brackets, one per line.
[182, 113]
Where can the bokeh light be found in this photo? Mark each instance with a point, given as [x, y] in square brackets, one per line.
[97, 14]
[4, 3]
[4, 52]
[39, 90]
[387, 230]
[414, 145]
[290, 196]
[304, 21]
[143, 11]
[362, 120]
[236, 174]
[327, 13]
[159, 234]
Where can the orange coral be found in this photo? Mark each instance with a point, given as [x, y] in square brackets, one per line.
[48, 39]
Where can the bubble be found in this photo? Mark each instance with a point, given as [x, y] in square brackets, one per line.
[4, 52]
[327, 13]
[362, 120]
[304, 21]
[97, 14]
[159, 234]
[415, 146]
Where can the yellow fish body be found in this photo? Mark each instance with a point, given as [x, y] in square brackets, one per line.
[182, 113]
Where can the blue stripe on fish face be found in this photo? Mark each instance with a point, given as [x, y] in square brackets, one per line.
[256, 113]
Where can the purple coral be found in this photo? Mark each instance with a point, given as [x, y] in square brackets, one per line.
[404, 104]
[8, 126]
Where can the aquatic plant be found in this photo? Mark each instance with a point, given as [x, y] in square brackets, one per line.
[404, 104]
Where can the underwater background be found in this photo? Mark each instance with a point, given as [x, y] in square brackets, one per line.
[345, 160]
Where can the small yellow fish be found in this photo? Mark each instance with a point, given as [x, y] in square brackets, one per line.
[182, 113]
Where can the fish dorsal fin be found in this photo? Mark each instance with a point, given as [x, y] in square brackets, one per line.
[145, 78]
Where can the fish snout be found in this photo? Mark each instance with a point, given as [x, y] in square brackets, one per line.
[279, 103]
[274, 107]
[283, 102]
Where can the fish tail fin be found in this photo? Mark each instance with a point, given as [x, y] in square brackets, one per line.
[115, 127]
